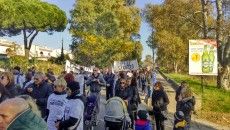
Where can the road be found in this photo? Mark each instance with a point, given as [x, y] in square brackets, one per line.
[196, 124]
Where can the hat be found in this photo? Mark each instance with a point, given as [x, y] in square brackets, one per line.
[73, 86]
[142, 114]
[179, 115]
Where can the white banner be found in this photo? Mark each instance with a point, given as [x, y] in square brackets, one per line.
[203, 57]
[74, 67]
[125, 65]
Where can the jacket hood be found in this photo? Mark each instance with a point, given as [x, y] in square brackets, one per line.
[27, 120]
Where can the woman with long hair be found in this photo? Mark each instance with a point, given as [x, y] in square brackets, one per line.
[3, 93]
[159, 102]
[7, 80]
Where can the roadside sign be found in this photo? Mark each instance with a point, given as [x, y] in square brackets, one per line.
[203, 57]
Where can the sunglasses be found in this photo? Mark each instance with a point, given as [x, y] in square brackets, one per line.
[122, 83]
[2, 77]
[94, 70]
[36, 79]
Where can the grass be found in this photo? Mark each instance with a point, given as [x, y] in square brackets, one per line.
[214, 99]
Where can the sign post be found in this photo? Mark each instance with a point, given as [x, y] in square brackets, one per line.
[203, 59]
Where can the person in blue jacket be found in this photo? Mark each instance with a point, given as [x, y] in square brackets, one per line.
[143, 123]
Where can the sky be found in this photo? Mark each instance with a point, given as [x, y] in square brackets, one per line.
[54, 41]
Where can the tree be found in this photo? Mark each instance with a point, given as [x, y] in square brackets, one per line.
[223, 45]
[102, 31]
[148, 62]
[29, 17]
[173, 23]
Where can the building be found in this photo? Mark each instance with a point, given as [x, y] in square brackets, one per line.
[36, 51]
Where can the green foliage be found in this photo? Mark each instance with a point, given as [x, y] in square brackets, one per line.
[101, 32]
[215, 100]
[30, 17]
[25, 64]
[174, 22]
[148, 61]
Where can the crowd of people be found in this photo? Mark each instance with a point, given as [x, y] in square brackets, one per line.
[47, 101]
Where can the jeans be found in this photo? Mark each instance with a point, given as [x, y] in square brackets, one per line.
[159, 121]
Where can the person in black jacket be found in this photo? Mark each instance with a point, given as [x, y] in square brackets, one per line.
[109, 78]
[3, 93]
[159, 102]
[40, 91]
[7, 80]
[186, 105]
[179, 93]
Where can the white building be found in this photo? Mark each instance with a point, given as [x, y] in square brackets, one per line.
[40, 52]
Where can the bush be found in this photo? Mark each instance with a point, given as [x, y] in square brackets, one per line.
[25, 64]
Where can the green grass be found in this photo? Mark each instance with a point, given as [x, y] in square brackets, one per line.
[214, 99]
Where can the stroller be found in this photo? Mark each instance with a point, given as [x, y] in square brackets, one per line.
[90, 114]
[116, 115]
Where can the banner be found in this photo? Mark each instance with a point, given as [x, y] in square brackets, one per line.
[74, 67]
[125, 65]
[203, 57]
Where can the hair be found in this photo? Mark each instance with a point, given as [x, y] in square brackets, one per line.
[122, 75]
[159, 84]
[29, 75]
[33, 106]
[69, 77]
[4, 93]
[187, 93]
[17, 68]
[60, 82]
[40, 75]
[10, 77]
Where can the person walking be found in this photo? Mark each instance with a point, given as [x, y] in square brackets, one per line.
[159, 103]
[95, 82]
[109, 78]
[20, 117]
[7, 80]
[40, 91]
[80, 78]
[56, 103]
[186, 104]
[125, 93]
[19, 78]
[179, 92]
[3, 93]
[74, 109]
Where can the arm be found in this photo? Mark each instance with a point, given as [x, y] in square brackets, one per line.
[102, 81]
[68, 123]
[166, 99]
[89, 81]
[43, 101]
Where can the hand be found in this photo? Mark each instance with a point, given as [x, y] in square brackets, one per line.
[179, 98]
[126, 102]
[98, 80]
[29, 90]
[57, 124]
[108, 85]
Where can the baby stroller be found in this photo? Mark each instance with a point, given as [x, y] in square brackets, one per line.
[116, 115]
[90, 114]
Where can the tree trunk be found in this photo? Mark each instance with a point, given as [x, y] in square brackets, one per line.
[225, 78]
[204, 15]
[27, 53]
[219, 39]
[175, 66]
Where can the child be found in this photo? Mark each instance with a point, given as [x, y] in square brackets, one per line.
[179, 121]
[56, 103]
[142, 123]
